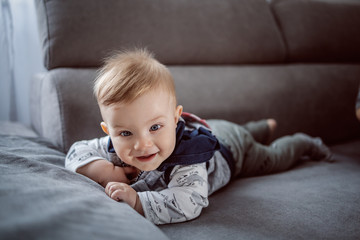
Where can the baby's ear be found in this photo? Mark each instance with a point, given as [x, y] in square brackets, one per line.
[104, 128]
[178, 112]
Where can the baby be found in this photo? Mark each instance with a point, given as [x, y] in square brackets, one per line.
[174, 160]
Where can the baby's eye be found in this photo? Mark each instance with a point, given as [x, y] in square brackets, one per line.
[125, 133]
[155, 127]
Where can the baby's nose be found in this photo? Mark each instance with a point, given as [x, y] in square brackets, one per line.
[143, 143]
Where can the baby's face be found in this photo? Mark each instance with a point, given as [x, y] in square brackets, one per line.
[143, 132]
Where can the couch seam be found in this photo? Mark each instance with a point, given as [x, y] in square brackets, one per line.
[40, 103]
[280, 29]
[48, 35]
[61, 111]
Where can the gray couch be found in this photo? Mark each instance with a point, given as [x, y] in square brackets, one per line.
[297, 61]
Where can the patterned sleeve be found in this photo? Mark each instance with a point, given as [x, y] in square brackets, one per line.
[84, 152]
[183, 200]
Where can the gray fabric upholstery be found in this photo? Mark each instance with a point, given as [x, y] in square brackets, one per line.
[17, 129]
[325, 30]
[319, 98]
[203, 31]
[68, 110]
[312, 201]
[39, 199]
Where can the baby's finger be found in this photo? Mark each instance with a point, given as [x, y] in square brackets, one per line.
[117, 195]
[110, 187]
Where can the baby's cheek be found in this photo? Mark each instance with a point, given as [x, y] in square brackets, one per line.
[169, 145]
[123, 153]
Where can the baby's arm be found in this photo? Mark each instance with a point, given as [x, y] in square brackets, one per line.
[103, 172]
[183, 200]
[89, 158]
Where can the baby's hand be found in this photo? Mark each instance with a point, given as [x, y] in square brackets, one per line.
[122, 192]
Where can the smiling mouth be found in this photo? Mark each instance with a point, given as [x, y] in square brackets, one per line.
[146, 158]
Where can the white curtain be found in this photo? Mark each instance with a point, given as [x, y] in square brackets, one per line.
[20, 58]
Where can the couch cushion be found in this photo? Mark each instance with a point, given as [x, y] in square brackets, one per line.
[56, 203]
[179, 32]
[316, 200]
[320, 30]
[64, 107]
[316, 99]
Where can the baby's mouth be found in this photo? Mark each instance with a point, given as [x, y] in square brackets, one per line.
[146, 158]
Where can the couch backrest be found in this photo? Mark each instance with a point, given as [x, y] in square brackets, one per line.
[200, 32]
[295, 60]
[320, 30]
[179, 32]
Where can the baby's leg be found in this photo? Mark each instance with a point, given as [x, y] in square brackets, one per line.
[252, 158]
[262, 130]
[281, 154]
[236, 137]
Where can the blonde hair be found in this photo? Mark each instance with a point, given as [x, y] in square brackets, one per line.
[129, 74]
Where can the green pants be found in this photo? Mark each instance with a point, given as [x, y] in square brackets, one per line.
[253, 158]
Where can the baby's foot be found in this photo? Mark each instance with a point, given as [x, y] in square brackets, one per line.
[319, 151]
[272, 127]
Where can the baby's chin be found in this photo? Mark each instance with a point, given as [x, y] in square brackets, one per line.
[150, 167]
